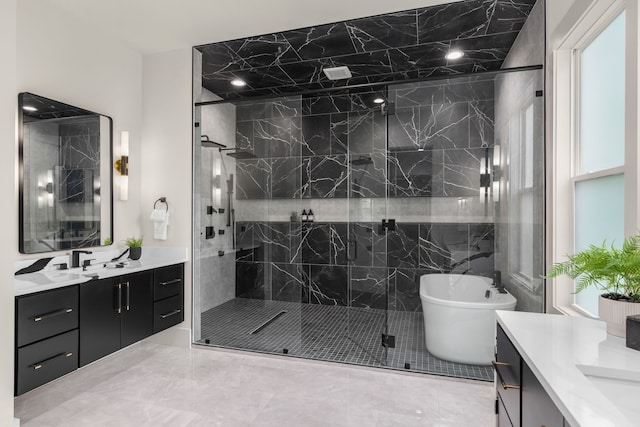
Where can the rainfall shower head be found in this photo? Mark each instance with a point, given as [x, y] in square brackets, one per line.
[206, 142]
[362, 160]
[238, 154]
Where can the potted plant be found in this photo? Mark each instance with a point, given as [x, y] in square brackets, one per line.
[135, 247]
[614, 271]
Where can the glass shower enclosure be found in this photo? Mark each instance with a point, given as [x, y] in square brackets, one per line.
[315, 215]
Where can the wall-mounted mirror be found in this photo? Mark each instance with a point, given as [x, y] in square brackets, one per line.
[65, 156]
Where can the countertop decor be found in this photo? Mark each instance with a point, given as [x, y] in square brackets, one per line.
[102, 267]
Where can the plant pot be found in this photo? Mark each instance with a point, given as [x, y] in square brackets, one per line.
[135, 253]
[615, 313]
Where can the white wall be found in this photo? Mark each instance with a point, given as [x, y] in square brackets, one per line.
[166, 161]
[64, 59]
[8, 233]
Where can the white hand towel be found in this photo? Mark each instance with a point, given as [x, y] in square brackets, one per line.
[160, 218]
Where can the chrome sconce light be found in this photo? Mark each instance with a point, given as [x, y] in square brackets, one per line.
[122, 165]
[490, 174]
[485, 176]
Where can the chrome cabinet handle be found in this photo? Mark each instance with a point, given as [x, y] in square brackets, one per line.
[128, 298]
[39, 365]
[50, 314]
[494, 363]
[119, 309]
[172, 313]
[509, 386]
[170, 282]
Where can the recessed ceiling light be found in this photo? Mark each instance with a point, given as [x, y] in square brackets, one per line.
[337, 73]
[238, 82]
[454, 54]
[29, 108]
[378, 100]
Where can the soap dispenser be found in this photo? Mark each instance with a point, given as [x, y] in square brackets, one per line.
[305, 217]
[310, 216]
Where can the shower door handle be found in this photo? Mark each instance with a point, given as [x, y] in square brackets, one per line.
[388, 224]
[353, 243]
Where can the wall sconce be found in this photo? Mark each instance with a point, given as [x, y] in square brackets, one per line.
[122, 165]
[217, 181]
[497, 174]
[49, 188]
[485, 176]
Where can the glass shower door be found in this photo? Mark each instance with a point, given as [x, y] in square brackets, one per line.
[366, 235]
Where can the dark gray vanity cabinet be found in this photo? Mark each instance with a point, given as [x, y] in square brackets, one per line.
[168, 292]
[521, 401]
[59, 330]
[114, 313]
[46, 337]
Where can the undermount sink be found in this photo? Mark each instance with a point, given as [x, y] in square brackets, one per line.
[617, 385]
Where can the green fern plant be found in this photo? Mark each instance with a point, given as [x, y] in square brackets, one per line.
[133, 242]
[615, 271]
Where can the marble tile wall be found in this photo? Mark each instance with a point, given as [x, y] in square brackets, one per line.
[343, 146]
[355, 264]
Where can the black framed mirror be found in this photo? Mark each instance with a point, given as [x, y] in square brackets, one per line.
[65, 174]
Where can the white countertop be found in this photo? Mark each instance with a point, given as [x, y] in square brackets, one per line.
[561, 349]
[50, 278]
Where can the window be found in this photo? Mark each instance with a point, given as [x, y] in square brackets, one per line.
[595, 184]
[599, 145]
[522, 192]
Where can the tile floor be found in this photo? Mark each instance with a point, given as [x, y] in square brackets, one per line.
[154, 385]
[332, 333]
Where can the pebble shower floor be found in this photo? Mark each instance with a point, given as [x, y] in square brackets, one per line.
[332, 333]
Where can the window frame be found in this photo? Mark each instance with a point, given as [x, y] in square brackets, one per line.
[563, 162]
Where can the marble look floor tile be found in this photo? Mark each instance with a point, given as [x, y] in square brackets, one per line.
[155, 385]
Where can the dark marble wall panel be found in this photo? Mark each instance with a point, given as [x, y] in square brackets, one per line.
[254, 179]
[416, 174]
[329, 285]
[402, 246]
[290, 282]
[368, 287]
[286, 178]
[462, 172]
[316, 243]
[368, 176]
[355, 264]
[328, 176]
[407, 289]
[250, 281]
[244, 241]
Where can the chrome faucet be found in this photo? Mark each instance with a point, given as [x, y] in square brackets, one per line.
[497, 282]
[75, 257]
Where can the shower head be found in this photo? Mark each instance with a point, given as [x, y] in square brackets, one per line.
[238, 154]
[361, 160]
[206, 142]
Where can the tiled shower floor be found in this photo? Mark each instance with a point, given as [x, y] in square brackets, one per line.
[334, 333]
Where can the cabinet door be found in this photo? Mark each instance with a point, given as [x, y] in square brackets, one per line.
[137, 307]
[503, 417]
[100, 306]
[538, 410]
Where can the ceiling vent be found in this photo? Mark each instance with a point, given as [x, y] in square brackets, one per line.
[337, 73]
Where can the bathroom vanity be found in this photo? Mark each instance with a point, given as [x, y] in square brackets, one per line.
[557, 371]
[70, 318]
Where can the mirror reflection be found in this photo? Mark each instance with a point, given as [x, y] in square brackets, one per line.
[65, 176]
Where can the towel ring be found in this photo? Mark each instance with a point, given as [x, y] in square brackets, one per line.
[161, 200]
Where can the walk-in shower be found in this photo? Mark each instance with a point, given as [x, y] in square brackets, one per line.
[445, 175]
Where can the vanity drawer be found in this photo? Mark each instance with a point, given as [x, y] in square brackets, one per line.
[45, 314]
[46, 360]
[508, 375]
[168, 312]
[168, 281]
